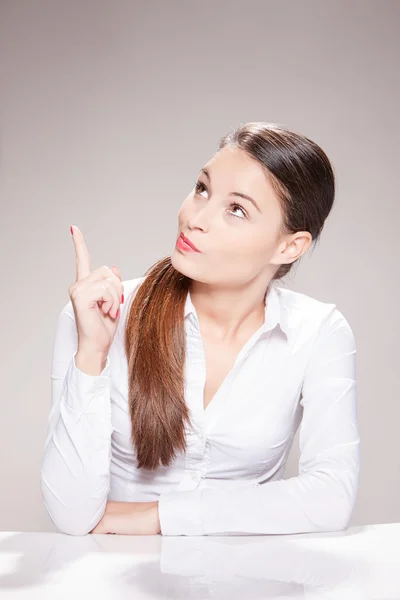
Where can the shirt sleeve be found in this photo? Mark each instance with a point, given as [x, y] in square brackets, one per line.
[75, 470]
[322, 496]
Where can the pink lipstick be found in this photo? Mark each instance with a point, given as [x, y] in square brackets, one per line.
[183, 243]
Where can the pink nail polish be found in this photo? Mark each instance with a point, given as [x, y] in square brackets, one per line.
[71, 230]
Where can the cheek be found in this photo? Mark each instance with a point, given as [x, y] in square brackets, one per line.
[242, 258]
[247, 246]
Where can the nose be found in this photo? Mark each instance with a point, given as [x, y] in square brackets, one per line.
[194, 224]
[200, 219]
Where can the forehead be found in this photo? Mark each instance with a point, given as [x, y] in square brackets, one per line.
[234, 166]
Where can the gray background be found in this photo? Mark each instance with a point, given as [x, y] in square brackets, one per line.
[109, 110]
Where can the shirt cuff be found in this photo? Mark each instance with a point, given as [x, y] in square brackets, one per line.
[180, 513]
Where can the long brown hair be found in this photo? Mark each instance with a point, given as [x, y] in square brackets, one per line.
[155, 341]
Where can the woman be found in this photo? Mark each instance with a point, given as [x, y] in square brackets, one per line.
[177, 415]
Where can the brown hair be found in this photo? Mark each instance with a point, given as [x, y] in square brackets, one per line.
[155, 342]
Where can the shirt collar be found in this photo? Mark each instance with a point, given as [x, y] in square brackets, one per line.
[274, 313]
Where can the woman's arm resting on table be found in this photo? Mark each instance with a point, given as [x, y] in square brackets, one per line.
[129, 518]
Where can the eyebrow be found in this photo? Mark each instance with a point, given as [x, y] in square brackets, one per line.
[239, 194]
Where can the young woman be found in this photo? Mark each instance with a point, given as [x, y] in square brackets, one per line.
[177, 414]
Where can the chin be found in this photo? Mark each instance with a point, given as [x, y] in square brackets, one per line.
[178, 261]
[181, 264]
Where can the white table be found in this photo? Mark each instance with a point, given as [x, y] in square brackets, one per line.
[361, 562]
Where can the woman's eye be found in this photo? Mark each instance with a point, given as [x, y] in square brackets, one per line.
[240, 208]
[200, 187]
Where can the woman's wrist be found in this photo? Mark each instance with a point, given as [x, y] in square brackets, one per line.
[90, 363]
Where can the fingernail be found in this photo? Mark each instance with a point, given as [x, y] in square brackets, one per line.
[71, 230]
[122, 299]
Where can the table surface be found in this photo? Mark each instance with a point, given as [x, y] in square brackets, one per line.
[361, 562]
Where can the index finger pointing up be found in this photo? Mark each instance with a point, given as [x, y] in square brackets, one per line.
[82, 254]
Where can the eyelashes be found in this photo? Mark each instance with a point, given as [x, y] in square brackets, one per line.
[199, 187]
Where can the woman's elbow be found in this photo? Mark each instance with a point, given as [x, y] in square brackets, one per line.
[74, 528]
[73, 525]
[337, 514]
[343, 518]
[73, 520]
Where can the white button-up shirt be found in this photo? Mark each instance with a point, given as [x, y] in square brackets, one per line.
[298, 368]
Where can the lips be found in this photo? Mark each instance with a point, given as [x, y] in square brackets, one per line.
[187, 241]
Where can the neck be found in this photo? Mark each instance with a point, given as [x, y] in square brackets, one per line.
[227, 314]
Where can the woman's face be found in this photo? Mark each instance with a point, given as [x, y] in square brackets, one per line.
[237, 238]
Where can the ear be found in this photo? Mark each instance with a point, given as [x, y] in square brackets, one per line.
[292, 248]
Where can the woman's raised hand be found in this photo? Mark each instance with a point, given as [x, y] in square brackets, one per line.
[96, 298]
